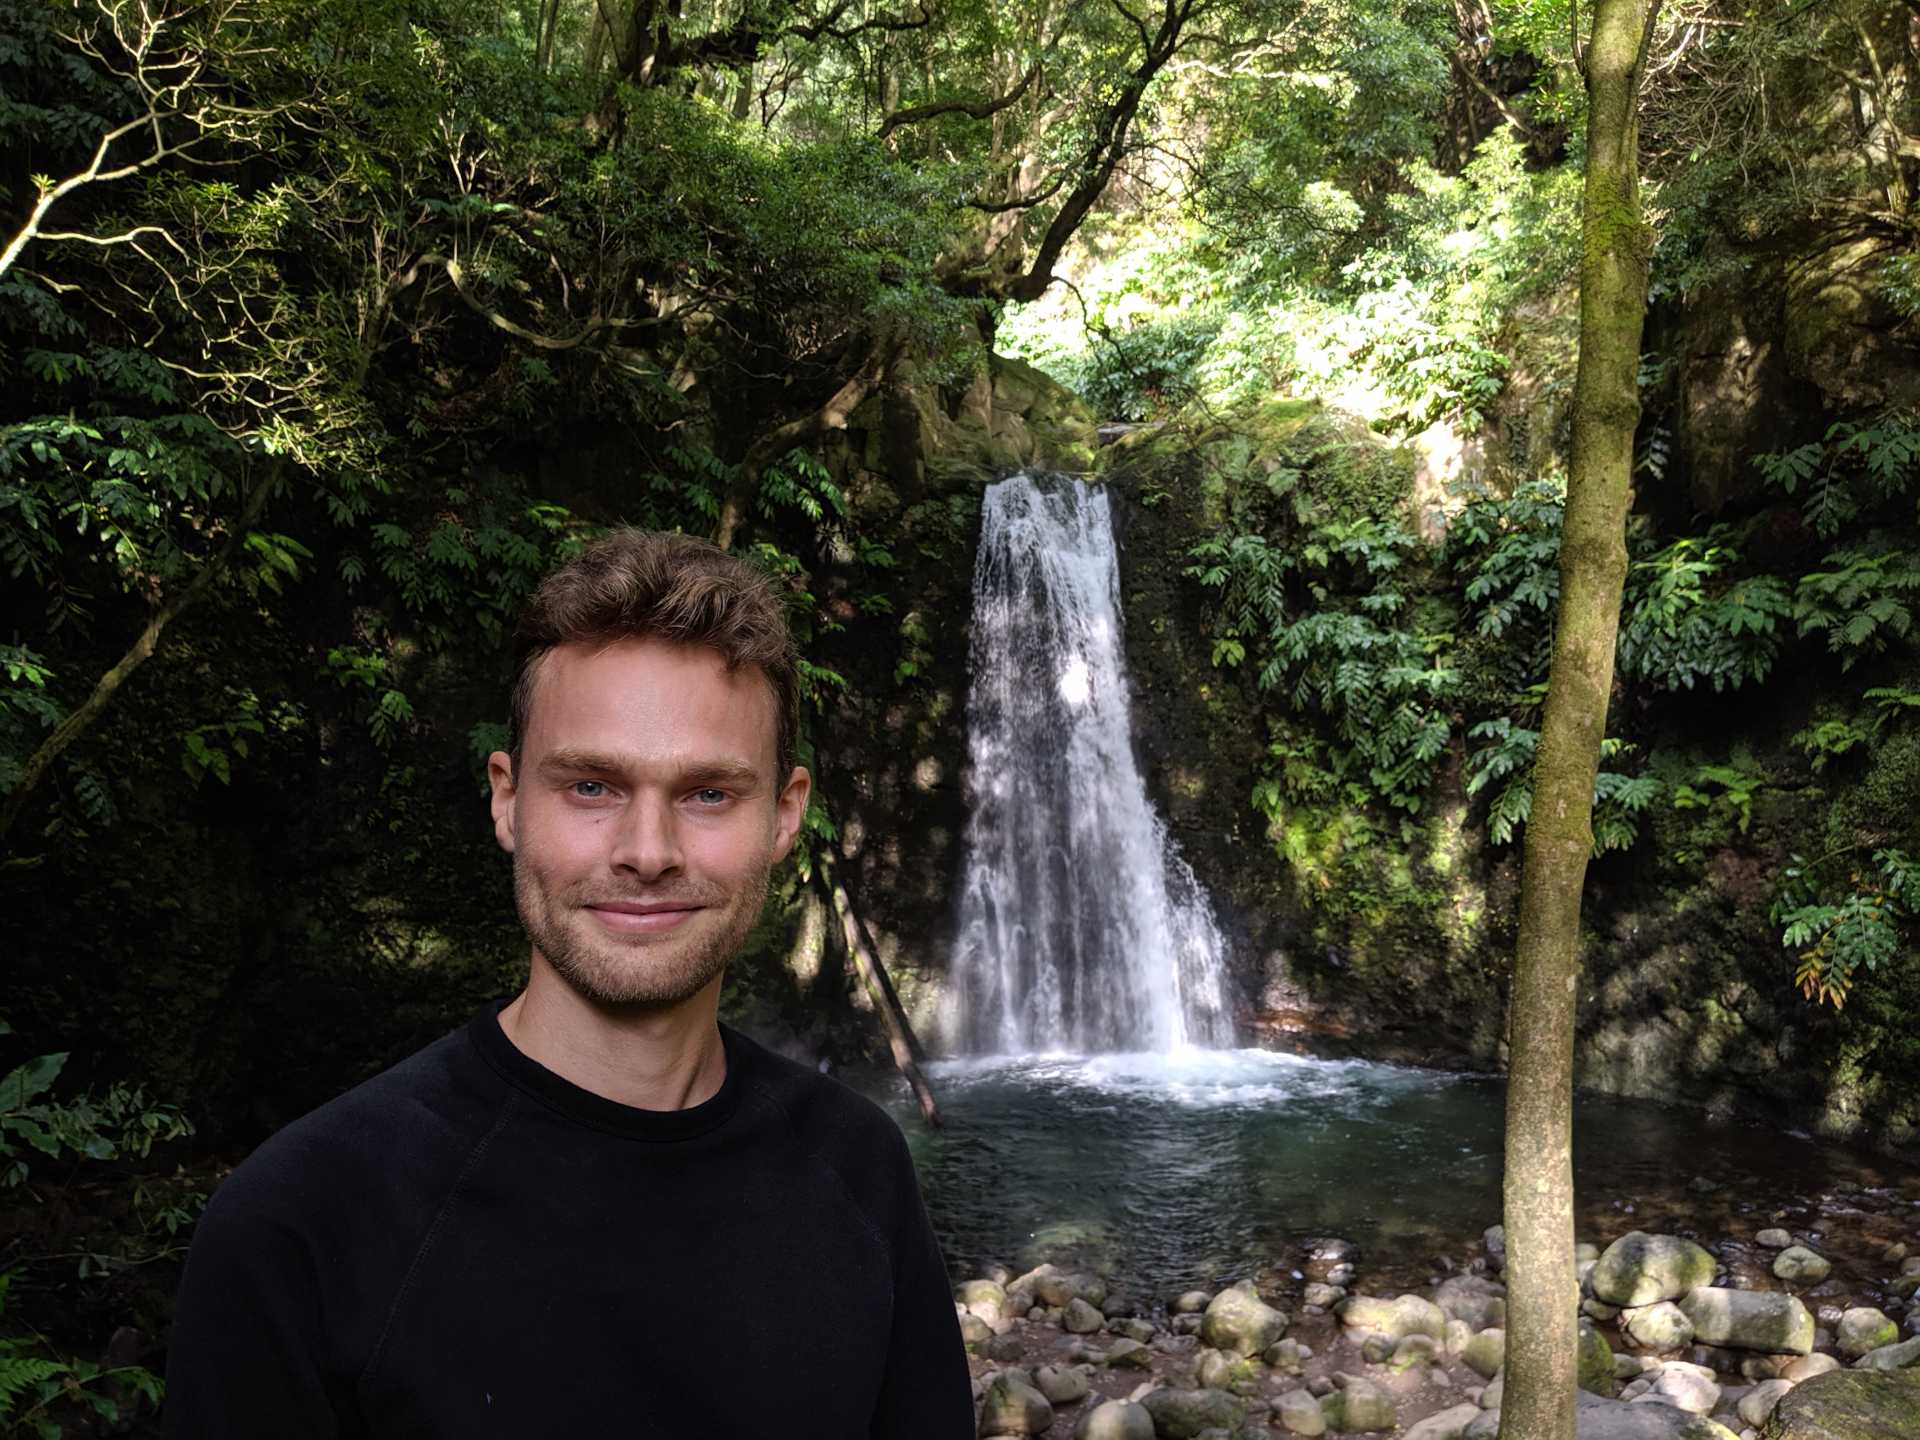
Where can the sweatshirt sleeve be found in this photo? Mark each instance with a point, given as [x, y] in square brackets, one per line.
[246, 1355]
[927, 1393]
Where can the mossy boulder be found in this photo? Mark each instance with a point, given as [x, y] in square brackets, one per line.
[1639, 1269]
[1849, 1405]
[1239, 1322]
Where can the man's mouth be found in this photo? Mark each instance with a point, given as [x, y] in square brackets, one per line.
[641, 917]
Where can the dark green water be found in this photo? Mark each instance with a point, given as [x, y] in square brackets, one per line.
[1169, 1172]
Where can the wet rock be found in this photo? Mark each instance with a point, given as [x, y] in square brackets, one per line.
[1186, 1324]
[1864, 1328]
[1193, 1302]
[1749, 1320]
[1891, 1357]
[1446, 1425]
[1396, 1319]
[1602, 1419]
[1485, 1353]
[1055, 1287]
[1798, 1265]
[974, 1330]
[1849, 1405]
[1184, 1414]
[1115, 1420]
[1238, 1320]
[1773, 1239]
[1660, 1326]
[1298, 1412]
[1003, 1347]
[1359, 1406]
[1080, 1318]
[984, 1298]
[1756, 1406]
[1321, 1295]
[1640, 1268]
[1129, 1355]
[1133, 1329]
[1013, 1408]
[1288, 1355]
[1062, 1384]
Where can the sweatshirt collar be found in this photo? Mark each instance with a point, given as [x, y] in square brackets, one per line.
[587, 1108]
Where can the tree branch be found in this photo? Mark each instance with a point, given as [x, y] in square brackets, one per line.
[974, 109]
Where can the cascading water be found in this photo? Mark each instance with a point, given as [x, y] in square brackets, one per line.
[1081, 929]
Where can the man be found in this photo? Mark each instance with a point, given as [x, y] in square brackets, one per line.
[595, 1210]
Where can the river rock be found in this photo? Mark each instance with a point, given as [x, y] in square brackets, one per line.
[1133, 1328]
[1773, 1239]
[1396, 1319]
[1478, 1301]
[1080, 1318]
[1322, 1296]
[1004, 1347]
[1593, 1366]
[1685, 1387]
[1129, 1355]
[1805, 1367]
[1115, 1420]
[1446, 1425]
[1055, 1287]
[1891, 1357]
[1598, 1418]
[1864, 1328]
[1193, 1302]
[1798, 1265]
[1288, 1355]
[1639, 1269]
[1360, 1406]
[1660, 1326]
[1850, 1405]
[984, 1298]
[974, 1330]
[1415, 1350]
[1763, 1320]
[1298, 1412]
[1237, 1319]
[1183, 1414]
[1223, 1370]
[1013, 1408]
[1756, 1406]
[1062, 1384]
[1485, 1353]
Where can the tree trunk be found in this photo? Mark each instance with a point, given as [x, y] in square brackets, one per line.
[1542, 1294]
[108, 685]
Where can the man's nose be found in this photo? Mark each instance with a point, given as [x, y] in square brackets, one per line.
[648, 842]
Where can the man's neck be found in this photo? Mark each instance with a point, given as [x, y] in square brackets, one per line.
[666, 1059]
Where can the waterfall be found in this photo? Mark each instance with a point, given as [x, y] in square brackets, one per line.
[1080, 927]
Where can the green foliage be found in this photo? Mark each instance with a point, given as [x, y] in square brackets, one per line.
[1685, 622]
[1859, 602]
[1506, 761]
[39, 1389]
[1841, 925]
[1856, 467]
[1721, 786]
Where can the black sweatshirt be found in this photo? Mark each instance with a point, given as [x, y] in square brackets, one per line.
[470, 1246]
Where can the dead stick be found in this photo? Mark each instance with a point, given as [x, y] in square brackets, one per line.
[900, 1037]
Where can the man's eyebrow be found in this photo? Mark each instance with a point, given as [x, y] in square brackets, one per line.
[700, 772]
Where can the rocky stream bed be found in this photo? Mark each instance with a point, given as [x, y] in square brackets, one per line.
[1802, 1325]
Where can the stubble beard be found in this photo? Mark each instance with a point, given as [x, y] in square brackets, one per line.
[647, 972]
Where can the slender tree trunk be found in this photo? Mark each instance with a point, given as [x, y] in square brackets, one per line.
[543, 47]
[108, 685]
[1542, 1294]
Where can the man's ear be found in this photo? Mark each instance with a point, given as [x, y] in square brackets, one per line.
[789, 810]
[500, 777]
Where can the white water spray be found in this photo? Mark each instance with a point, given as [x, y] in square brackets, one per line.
[1081, 929]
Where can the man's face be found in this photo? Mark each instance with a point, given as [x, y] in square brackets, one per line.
[645, 817]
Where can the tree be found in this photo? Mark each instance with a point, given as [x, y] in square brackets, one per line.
[1543, 1340]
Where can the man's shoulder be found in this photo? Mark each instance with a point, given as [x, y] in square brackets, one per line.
[398, 1131]
[819, 1107]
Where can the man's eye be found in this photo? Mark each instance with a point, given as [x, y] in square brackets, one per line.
[590, 789]
[710, 796]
